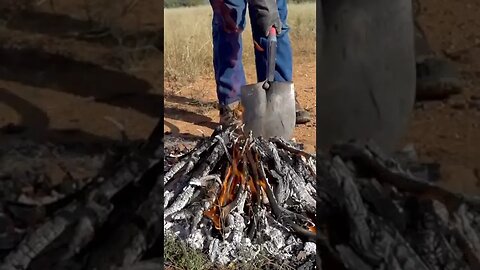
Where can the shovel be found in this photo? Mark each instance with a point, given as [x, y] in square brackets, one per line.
[269, 106]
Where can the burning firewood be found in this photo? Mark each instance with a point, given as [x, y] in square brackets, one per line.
[235, 196]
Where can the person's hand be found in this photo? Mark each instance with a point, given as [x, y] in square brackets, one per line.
[265, 15]
[228, 22]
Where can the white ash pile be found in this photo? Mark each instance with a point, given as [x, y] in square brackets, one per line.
[234, 197]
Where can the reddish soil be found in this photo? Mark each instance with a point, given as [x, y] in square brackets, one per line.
[59, 87]
[440, 132]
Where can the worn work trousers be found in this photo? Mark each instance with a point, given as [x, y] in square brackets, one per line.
[227, 52]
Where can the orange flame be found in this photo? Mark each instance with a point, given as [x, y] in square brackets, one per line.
[223, 190]
[263, 183]
[252, 187]
[213, 214]
[228, 191]
[312, 228]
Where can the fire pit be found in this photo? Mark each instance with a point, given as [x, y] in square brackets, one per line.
[235, 196]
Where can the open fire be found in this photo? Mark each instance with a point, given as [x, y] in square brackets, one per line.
[257, 196]
[243, 175]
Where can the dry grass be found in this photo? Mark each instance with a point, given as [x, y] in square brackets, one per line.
[188, 40]
[178, 256]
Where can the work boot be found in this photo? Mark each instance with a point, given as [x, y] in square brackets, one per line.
[302, 116]
[437, 78]
[229, 115]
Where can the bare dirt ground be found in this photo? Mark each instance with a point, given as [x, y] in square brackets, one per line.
[59, 83]
[57, 86]
[447, 132]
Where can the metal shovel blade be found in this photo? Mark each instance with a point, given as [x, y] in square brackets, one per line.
[269, 113]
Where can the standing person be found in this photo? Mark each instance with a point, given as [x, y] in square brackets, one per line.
[227, 27]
